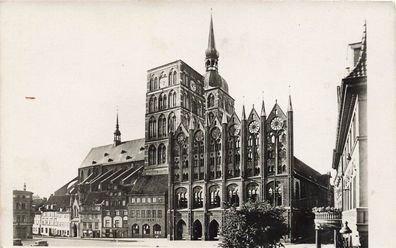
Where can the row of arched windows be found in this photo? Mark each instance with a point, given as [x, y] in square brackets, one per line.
[154, 83]
[146, 230]
[157, 156]
[161, 129]
[163, 101]
[214, 197]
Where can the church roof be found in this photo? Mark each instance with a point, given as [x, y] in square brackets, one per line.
[127, 151]
[59, 201]
[94, 198]
[308, 172]
[151, 184]
[213, 79]
[67, 188]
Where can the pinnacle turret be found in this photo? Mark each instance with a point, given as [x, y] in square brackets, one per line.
[263, 109]
[289, 106]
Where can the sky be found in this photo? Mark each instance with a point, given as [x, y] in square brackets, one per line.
[83, 60]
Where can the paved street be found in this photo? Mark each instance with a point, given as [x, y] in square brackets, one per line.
[154, 243]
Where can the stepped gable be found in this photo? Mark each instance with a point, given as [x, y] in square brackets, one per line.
[127, 151]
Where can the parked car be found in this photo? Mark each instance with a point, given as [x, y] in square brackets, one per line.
[17, 242]
[40, 243]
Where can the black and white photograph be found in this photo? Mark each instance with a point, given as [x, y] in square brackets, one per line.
[197, 124]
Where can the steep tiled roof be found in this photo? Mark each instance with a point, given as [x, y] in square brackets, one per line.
[360, 69]
[151, 184]
[67, 188]
[93, 198]
[59, 201]
[128, 151]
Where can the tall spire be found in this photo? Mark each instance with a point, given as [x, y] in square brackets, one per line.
[289, 106]
[117, 133]
[212, 55]
[243, 113]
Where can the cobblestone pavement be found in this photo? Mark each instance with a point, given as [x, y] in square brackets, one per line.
[152, 243]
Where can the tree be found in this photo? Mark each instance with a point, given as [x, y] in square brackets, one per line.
[253, 225]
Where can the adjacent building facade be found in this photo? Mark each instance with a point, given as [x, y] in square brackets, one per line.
[350, 153]
[22, 214]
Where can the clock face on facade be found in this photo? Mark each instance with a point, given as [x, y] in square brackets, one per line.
[216, 133]
[234, 130]
[193, 86]
[254, 127]
[199, 136]
[276, 123]
[180, 138]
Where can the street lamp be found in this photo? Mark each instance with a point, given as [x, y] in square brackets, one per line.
[346, 235]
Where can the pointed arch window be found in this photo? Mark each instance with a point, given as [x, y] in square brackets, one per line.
[152, 155]
[151, 104]
[215, 154]
[172, 99]
[210, 100]
[198, 155]
[160, 102]
[275, 194]
[181, 198]
[171, 122]
[233, 198]
[170, 78]
[214, 194]
[151, 84]
[152, 127]
[197, 197]
[161, 154]
[161, 126]
[155, 83]
[174, 77]
[252, 192]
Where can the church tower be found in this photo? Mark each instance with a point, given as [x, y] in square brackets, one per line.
[174, 98]
[117, 134]
[218, 100]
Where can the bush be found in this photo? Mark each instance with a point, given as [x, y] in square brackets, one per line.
[254, 225]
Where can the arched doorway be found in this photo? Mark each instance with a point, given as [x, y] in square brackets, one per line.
[135, 231]
[180, 228]
[197, 230]
[74, 230]
[213, 230]
[157, 230]
[146, 230]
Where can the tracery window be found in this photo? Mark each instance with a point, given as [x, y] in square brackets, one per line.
[198, 197]
[252, 192]
[152, 127]
[161, 126]
[198, 155]
[181, 198]
[275, 194]
[171, 122]
[161, 154]
[215, 154]
[214, 194]
[172, 99]
[233, 198]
